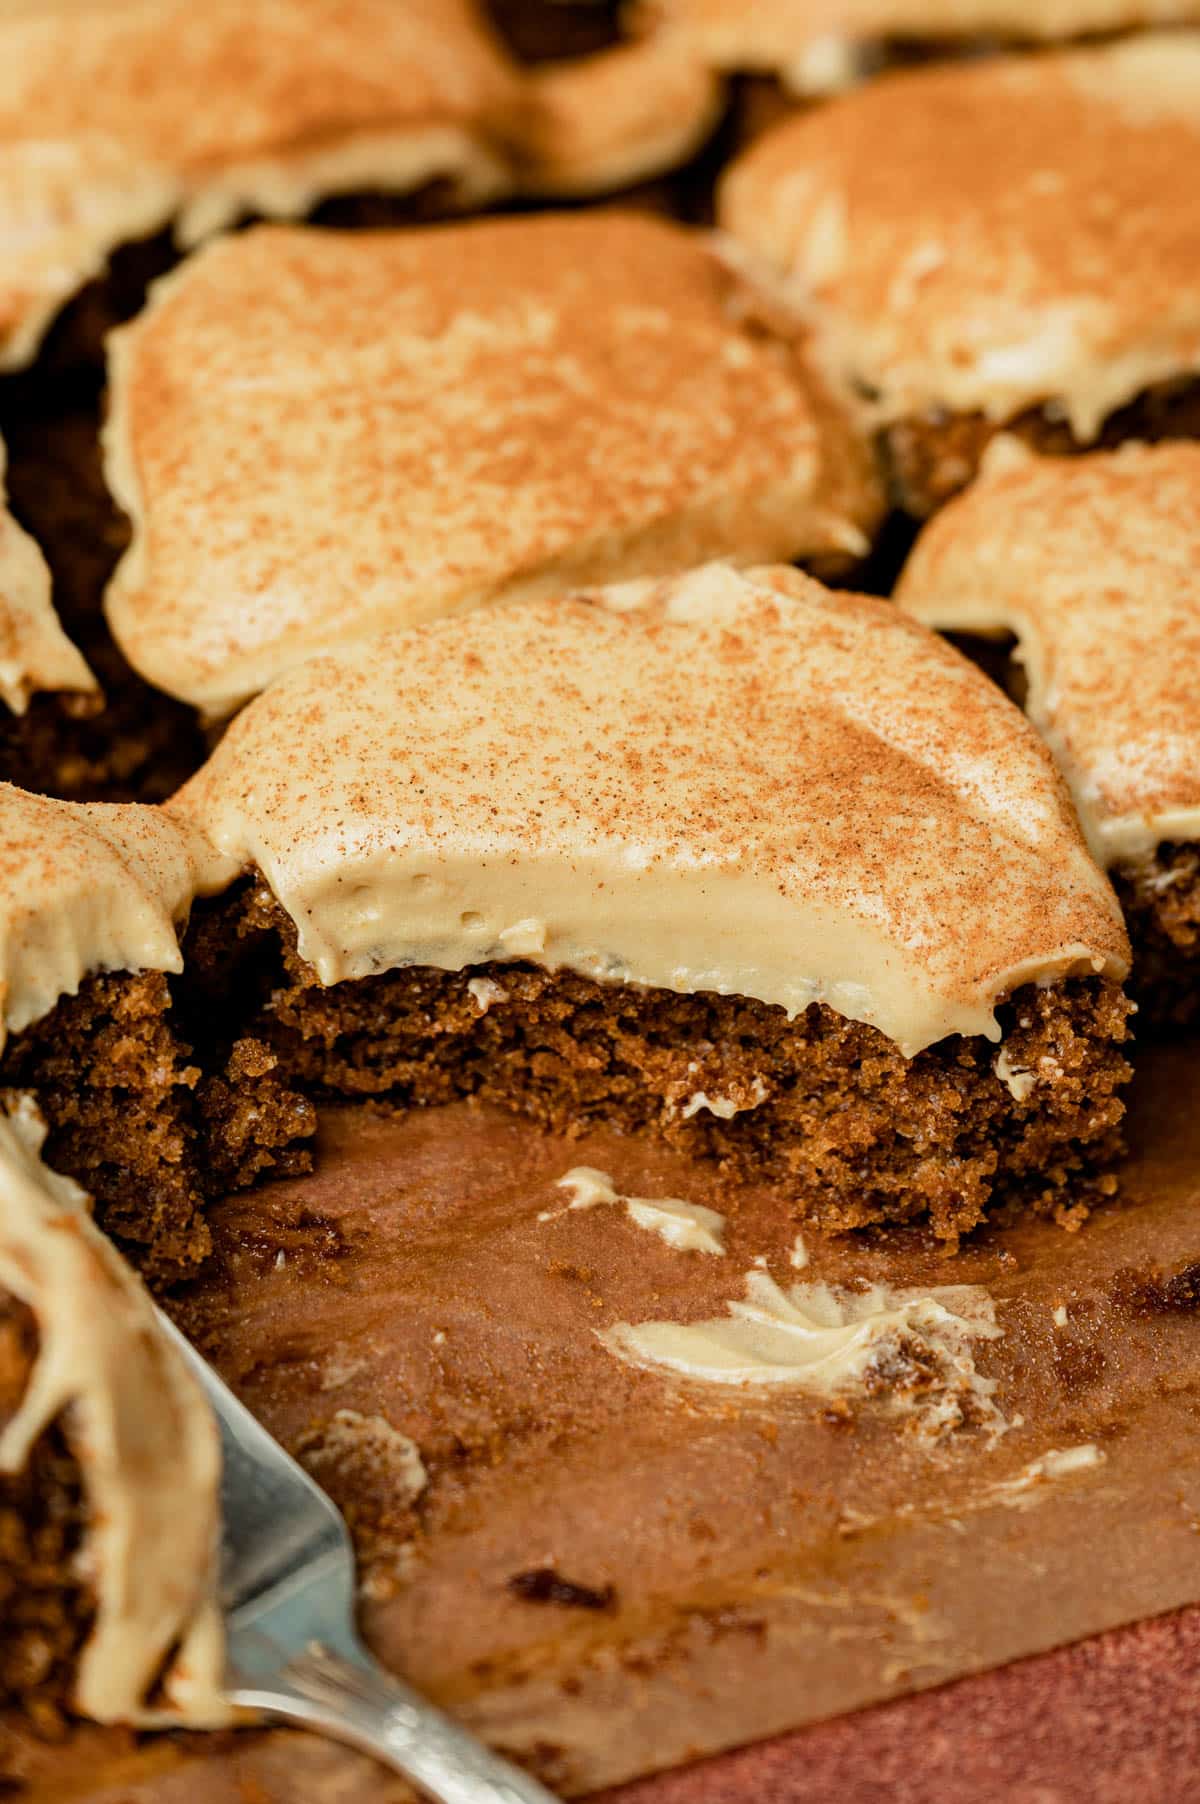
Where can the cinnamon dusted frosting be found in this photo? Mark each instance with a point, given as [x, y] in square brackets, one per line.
[118, 115]
[318, 437]
[739, 783]
[1094, 564]
[92, 887]
[994, 236]
[35, 653]
[820, 44]
[142, 1433]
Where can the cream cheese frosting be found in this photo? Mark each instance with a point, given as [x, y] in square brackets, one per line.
[119, 115]
[35, 653]
[728, 782]
[911, 1350]
[499, 409]
[811, 43]
[1094, 564]
[145, 1441]
[995, 236]
[688, 1227]
[91, 887]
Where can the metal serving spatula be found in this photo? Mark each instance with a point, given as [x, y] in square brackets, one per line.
[287, 1591]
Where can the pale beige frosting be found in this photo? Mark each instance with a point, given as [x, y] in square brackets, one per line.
[1094, 564]
[35, 653]
[145, 1441]
[994, 236]
[688, 1227]
[912, 1351]
[811, 43]
[94, 887]
[119, 115]
[318, 437]
[724, 782]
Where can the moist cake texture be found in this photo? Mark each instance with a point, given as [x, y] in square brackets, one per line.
[1094, 565]
[557, 400]
[1018, 282]
[827, 1109]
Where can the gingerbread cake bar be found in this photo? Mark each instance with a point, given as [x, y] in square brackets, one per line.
[553, 400]
[713, 877]
[1013, 243]
[108, 1471]
[1094, 565]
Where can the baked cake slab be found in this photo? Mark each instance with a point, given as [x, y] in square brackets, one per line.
[714, 875]
[1014, 242]
[1094, 564]
[503, 408]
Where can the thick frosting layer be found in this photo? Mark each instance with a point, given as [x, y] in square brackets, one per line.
[726, 782]
[108, 126]
[142, 1433]
[94, 887]
[811, 42]
[35, 653]
[1094, 564]
[499, 409]
[993, 236]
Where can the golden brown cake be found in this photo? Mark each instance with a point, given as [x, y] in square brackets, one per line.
[1012, 243]
[1094, 565]
[502, 409]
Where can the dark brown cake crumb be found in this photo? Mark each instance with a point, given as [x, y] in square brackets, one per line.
[148, 1132]
[543, 1585]
[931, 456]
[46, 1610]
[1147, 1294]
[830, 1109]
[1161, 899]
